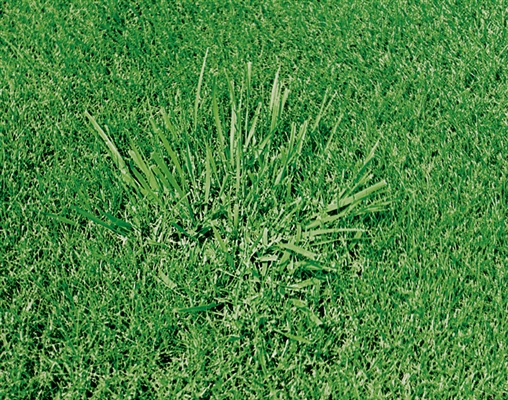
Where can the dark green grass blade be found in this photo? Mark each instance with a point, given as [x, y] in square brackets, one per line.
[59, 218]
[197, 308]
[118, 229]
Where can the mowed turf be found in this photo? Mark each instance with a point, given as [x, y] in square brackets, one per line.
[197, 301]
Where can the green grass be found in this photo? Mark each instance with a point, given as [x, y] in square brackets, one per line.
[227, 271]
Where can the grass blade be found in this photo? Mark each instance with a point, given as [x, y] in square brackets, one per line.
[304, 284]
[140, 162]
[362, 175]
[323, 109]
[144, 186]
[167, 176]
[318, 232]
[233, 124]
[197, 308]
[253, 126]
[198, 91]
[355, 198]
[59, 218]
[115, 154]
[172, 155]
[118, 222]
[298, 250]
[296, 338]
[218, 124]
[97, 220]
[168, 282]
[208, 175]
[190, 166]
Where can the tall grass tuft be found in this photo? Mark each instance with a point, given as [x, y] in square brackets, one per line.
[236, 188]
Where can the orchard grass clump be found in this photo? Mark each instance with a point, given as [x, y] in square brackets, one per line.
[239, 194]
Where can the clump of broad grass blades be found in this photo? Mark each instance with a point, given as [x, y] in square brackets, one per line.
[236, 187]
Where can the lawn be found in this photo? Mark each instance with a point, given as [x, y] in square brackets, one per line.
[253, 199]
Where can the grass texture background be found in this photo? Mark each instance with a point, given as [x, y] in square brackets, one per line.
[415, 309]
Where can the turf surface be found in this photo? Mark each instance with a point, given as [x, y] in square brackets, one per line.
[415, 307]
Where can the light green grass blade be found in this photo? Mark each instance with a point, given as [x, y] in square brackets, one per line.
[375, 207]
[219, 239]
[296, 338]
[168, 282]
[303, 306]
[313, 266]
[314, 318]
[198, 91]
[319, 232]
[270, 258]
[351, 202]
[141, 163]
[190, 167]
[248, 79]
[167, 177]
[169, 125]
[172, 155]
[236, 213]
[323, 110]
[304, 284]
[115, 154]
[362, 176]
[362, 195]
[298, 250]
[252, 130]
[293, 151]
[275, 92]
[208, 175]
[166, 186]
[239, 175]
[277, 102]
[218, 124]
[233, 124]
[118, 222]
[144, 186]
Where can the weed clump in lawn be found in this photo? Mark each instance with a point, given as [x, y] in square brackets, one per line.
[236, 190]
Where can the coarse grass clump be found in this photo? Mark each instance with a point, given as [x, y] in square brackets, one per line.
[241, 189]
